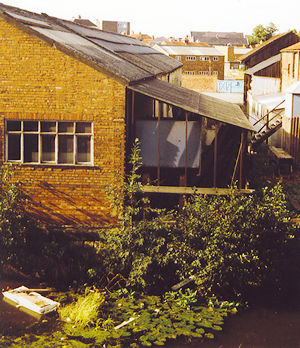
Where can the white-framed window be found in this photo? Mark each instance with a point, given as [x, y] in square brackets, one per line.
[216, 59]
[203, 72]
[49, 142]
[189, 72]
[204, 58]
[190, 58]
[215, 73]
[178, 58]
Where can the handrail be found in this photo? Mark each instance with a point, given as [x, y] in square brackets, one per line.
[268, 113]
[270, 120]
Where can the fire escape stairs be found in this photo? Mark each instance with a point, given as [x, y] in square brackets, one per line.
[265, 132]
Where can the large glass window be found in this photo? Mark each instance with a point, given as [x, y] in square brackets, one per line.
[55, 142]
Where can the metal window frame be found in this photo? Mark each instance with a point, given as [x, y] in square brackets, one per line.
[56, 133]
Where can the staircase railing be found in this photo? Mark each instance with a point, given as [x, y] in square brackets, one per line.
[267, 123]
[267, 114]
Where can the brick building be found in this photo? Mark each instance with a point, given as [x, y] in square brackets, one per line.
[197, 59]
[73, 99]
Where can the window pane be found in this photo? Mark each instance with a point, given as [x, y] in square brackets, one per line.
[83, 149]
[48, 148]
[83, 127]
[14, 152]
[31, 148]
[48, 126]
[30, 126]
[65, 149]
[13, 125]
[65, 127]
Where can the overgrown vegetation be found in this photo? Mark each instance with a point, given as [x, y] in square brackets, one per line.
[231, 244]
[13, 222]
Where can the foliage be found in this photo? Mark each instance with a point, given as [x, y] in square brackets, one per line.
[84, 311]
[237, 242]
[139, 248]
[12, 218]
[261, 33]
[231, 244]
[154, 320]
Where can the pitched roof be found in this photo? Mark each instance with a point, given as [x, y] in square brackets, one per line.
[85, 22]
[125, 58]
[220, 38]
[264, 64]
[263, 45]
[187, 50]
[295, 47]
[195, 102]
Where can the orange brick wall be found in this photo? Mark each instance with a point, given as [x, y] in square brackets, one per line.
[38, 82]
[290, 68]
[199, 65]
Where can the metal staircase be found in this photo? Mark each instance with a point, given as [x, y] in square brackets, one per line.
[269, 127]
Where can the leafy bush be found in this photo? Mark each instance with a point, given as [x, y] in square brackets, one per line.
[138, 249]
[12, 218]
[231, 243]
[236, 242]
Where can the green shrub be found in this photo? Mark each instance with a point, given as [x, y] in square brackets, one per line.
[237, 242]
[12, 218]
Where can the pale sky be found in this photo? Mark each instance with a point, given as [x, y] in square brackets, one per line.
[173, 17]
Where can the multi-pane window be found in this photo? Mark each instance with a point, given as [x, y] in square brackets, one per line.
[216, 59]
[53, 142]
[189, 72]
[215, 73]
[204, 58]
[203, 72]
[190, 58]
[178, 58]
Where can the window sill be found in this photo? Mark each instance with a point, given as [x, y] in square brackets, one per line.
[54, 165]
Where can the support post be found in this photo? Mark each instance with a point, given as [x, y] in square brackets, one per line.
[186, 150]
[215, 156]
[242, 159]
[158, 149]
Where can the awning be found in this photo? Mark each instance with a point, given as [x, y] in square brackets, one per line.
[194, 102]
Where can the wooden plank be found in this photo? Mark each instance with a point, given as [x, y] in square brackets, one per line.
[193, 190]
[279, 153]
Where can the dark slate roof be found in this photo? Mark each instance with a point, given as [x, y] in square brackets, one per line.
[125, 58]
[219, 38]
[195, 102]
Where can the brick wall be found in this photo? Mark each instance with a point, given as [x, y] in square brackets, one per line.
[290, 68]
[199, 65]
[38, 82]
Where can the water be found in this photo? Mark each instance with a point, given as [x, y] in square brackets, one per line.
[262, 327]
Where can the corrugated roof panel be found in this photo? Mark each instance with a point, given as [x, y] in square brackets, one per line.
[195, 102]
[28, 19]
[134, 49]
[107, 60]
[100, 34]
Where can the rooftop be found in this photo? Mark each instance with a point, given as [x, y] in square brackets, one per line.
[127, 59]
[220, 38]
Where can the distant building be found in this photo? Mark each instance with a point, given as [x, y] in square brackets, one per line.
[197, 59]
[219, 38]
[116, 27]
[85, 22]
